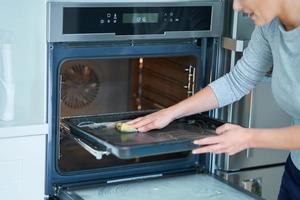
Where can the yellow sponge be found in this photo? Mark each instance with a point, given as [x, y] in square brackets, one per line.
[123, 127]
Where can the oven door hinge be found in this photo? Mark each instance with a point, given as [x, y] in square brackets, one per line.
[95, 151]
[98, 154]
[56, 190]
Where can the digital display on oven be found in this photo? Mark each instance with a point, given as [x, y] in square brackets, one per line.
[135, 18]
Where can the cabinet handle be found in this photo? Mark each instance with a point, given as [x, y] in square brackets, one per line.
[234, 45]
[250, 111]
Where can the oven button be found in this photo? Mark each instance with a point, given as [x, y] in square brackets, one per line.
[102, 21]
[115, 16]
[177, 20]
[165, 19]
[171, 14]
[139, 19]
[108, 15]
[108, 21]
[115, 21]
[171, 19]
[144, 19]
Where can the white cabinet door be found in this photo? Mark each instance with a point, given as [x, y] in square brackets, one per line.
[22, 168]
[23, 28]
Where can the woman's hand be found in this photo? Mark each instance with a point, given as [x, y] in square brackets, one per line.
[157, 120]
[231, 139]
[202, 101]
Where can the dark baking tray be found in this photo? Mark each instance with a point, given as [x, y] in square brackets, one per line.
[176, 137]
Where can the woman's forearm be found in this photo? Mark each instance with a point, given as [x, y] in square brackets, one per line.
[279, 138]
[202, 101]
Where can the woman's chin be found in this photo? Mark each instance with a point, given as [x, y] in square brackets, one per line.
[259, 21]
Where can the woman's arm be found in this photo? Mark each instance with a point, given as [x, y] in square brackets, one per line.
[279, 138]
[233, 138]
[202, 101]
[251, 68]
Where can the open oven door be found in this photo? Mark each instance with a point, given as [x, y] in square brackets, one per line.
[193, 187]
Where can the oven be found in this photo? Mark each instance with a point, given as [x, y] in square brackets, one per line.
[115, 61]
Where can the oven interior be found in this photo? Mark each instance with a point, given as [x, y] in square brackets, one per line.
[95, 86]
[98, 86]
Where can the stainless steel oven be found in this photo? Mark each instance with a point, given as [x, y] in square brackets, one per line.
[114, 61]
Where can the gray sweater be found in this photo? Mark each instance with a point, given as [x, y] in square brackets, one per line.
[270, 45]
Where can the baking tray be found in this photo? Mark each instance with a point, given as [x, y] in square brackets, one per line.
[176, 137]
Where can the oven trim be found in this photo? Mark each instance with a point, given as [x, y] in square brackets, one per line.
[55, 21]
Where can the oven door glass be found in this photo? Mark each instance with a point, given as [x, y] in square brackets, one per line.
[193, 187]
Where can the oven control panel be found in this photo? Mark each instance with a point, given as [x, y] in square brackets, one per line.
[135, 20]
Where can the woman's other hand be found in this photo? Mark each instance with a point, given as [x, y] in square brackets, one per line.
[157, 120]
[231, 139]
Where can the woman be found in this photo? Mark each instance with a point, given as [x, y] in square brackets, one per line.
[275, 41]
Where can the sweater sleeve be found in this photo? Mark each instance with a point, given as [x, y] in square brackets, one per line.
[249, 70]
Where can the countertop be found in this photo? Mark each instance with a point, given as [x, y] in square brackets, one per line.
[22, 126]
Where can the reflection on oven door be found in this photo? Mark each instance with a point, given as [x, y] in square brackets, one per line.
[264, 182]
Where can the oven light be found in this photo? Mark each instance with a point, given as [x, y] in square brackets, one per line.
[141, 61]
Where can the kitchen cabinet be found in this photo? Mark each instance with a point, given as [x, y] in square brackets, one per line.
[23, 28]
[22, 167]
[23, 136]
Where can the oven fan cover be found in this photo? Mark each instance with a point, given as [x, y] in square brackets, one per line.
[80, 85]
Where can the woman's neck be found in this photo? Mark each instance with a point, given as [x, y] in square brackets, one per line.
[290, 14]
